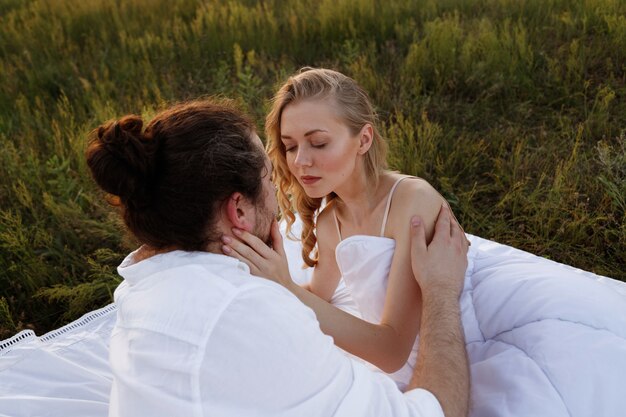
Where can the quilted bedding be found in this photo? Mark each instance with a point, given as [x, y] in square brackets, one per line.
[543, 338]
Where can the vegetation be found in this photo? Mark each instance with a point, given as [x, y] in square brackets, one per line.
[514, 109]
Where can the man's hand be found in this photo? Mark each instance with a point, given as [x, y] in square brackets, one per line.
[440, 266]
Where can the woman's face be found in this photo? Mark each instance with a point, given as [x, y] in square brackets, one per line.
[320, 150]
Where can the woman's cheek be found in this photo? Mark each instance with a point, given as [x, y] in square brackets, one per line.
[289, 164]
[291, 168]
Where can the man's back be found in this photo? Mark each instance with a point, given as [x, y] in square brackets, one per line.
[198, 335]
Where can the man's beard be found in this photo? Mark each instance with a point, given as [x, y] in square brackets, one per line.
[264, 218]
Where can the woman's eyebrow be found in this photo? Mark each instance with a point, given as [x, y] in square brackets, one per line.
[309, 133]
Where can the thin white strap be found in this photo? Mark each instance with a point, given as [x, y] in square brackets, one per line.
[337, 223]
[382, 228]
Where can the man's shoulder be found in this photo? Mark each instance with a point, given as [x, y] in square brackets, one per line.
[183, 300]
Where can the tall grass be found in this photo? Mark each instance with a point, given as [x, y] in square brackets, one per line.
[513, 109]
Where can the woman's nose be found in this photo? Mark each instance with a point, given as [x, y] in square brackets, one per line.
[303, 158]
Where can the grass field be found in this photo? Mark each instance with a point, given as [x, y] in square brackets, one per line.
[514, 109]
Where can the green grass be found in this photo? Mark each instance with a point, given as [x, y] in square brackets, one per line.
[514, 109]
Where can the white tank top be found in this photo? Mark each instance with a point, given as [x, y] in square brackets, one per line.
[364, 262]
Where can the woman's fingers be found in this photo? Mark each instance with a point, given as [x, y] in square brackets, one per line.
[243, 251]
[228, 250]
[277, 239]
[262, 260]
[253, 242]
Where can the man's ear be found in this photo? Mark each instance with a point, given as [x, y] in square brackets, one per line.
[240, 212]
[366, 138]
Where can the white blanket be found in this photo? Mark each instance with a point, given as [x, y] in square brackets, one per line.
[64, 373]
[544, 339]
[512, 302]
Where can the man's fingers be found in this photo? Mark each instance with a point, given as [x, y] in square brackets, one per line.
[418, 236]
[455, 228]
[458, 234]
[442, 227]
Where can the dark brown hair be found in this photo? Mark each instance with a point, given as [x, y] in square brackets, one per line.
[172, 177]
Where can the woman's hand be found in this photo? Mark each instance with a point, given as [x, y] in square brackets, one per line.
[266, 262]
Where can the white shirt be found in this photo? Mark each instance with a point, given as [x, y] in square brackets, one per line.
[198, 335]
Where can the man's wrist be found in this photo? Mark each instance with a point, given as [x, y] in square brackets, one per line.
[442, 310]
[440, 293]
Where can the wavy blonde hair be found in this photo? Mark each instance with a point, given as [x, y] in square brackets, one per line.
[356, 110]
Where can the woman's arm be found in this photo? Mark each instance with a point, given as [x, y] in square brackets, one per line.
[326, 274]
[402, 308]
[387, 344]
[372, 342]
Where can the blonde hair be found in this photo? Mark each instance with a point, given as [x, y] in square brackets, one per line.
[356, 108]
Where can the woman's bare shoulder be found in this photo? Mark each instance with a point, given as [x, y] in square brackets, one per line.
[414, 196]
[325, 227]
[417, 193]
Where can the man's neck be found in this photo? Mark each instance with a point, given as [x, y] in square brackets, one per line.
[214, 247]
[145, 252]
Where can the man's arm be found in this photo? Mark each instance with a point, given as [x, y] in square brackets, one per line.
[439, 268]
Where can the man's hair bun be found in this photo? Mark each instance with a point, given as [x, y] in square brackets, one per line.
[172, 174]
[120, 157]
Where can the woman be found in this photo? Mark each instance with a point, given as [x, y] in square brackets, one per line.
[329, 162]
[325, 146]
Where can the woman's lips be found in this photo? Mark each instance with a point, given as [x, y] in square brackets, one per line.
[308, 180]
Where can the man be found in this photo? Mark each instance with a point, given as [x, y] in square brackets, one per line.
[197, 334]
